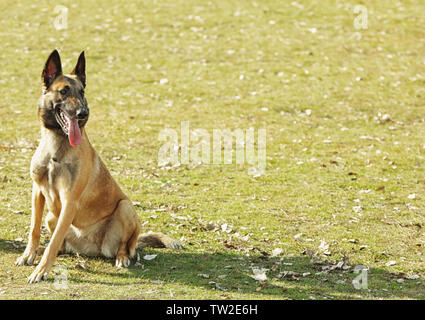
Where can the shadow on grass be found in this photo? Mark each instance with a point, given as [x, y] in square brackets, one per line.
[294, 278]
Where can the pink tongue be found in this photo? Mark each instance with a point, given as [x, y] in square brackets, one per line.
[74, 133]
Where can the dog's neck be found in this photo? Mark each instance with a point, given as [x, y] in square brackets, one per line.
[57, 141]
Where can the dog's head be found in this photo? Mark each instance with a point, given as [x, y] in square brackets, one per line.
[63, 106]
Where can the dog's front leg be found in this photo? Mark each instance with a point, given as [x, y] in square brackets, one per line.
[66, 217]
[30, 252]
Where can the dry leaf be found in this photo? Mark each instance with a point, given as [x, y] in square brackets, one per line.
[149, 256]
[259, 274]
[276, 252]
[412, 277]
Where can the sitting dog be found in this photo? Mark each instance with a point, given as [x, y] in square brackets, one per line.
[88, 212]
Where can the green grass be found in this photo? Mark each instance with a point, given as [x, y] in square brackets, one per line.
[342, 174]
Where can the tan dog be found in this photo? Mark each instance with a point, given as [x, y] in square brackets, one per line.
[88, 212]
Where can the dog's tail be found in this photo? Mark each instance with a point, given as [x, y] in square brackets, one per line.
[157, 240]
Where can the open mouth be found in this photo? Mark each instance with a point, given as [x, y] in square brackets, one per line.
[69, 126]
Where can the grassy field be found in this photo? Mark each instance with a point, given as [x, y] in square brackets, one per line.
[344, 114]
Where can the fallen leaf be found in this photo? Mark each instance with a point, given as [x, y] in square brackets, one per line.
[157, 281]
[149, 256]
[219, 287]
[259, 274]
[276, 252]
[391, 263]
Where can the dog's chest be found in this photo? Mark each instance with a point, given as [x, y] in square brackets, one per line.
[39, 166]
[49, 171]
[52, 174]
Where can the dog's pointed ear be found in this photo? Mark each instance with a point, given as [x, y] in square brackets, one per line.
[80, 69]
[52, 69]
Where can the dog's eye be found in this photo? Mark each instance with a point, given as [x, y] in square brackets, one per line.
[64, 90]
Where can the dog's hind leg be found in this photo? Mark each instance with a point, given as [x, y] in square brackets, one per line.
[127, 250]
[121, 234]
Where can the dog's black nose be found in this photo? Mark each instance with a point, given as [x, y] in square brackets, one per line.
[82, 113]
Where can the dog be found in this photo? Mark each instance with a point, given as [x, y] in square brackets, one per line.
[88, 212]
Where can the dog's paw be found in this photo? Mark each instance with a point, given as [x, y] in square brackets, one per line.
[40, 273]
[26, 259]
[122, 262]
